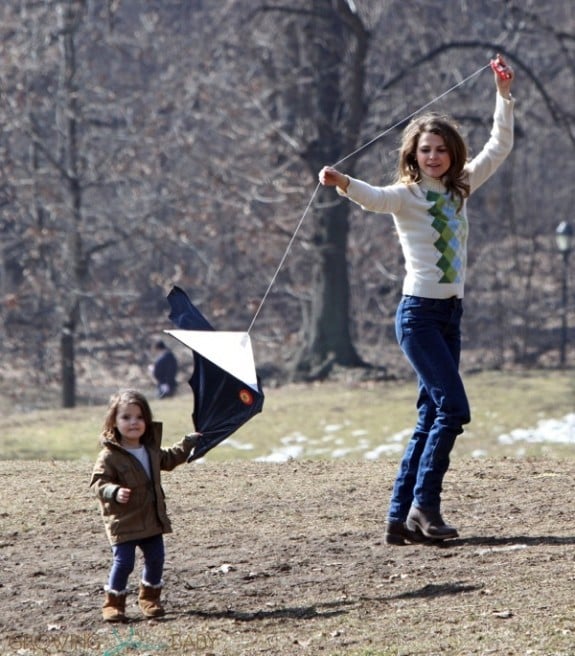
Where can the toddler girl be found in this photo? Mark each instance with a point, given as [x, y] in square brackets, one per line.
[126, 480]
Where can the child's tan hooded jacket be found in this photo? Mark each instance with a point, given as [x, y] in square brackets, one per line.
[145, 514]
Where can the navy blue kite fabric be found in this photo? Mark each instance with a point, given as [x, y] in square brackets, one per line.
[222, 402]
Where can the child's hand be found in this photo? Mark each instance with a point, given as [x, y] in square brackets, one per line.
[193, 438]
[123, 495]
[503, 74]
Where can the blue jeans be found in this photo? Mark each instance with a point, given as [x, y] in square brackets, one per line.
[429, 334]
[125, 559]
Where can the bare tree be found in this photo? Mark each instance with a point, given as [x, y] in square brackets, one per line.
[327, 48]
[69, 114]
[146, 144]
[309, 74]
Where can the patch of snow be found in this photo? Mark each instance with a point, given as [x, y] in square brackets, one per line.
[556, 431]
[282, 455]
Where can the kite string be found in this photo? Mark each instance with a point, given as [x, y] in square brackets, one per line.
[355, 152]
[280, 265]
[417, 111]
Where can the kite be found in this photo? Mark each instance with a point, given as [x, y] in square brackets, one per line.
[227, 391]
[226, 388]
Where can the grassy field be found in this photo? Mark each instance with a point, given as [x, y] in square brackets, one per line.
[329, 420]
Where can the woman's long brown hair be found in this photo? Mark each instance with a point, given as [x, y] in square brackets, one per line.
[408, 170]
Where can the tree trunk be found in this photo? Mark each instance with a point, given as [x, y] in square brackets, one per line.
[78, 271]
[68, 368]
[340, 110]
[329, 337]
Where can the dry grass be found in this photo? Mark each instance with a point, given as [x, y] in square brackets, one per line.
[343, 417]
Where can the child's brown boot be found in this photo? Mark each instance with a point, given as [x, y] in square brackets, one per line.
[114, 608]
[149, 600]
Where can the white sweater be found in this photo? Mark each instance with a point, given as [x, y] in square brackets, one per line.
[432, 233]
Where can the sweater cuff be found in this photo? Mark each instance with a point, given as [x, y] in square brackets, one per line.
[111, 492]
[507, 101]
[343, 192]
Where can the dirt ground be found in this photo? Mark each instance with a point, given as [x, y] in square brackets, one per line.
[290, 559]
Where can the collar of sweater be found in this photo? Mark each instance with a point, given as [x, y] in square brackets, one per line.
[432, 184]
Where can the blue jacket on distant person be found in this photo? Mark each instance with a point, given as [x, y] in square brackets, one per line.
[165, 370]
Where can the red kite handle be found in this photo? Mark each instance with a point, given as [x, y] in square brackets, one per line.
[499, 67]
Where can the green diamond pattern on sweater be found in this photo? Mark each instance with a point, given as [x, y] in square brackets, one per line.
[451, 229]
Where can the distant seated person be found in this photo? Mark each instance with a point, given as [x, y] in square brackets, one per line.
[164, 370]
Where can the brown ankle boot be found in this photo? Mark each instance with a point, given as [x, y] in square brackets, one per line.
[430, 524]
[114, 608]
[149, 600]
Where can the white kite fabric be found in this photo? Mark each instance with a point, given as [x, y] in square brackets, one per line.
[232, 351]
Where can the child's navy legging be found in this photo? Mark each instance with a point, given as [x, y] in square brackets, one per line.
[125, 559]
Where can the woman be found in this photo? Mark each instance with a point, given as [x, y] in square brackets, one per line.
[428, 205]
